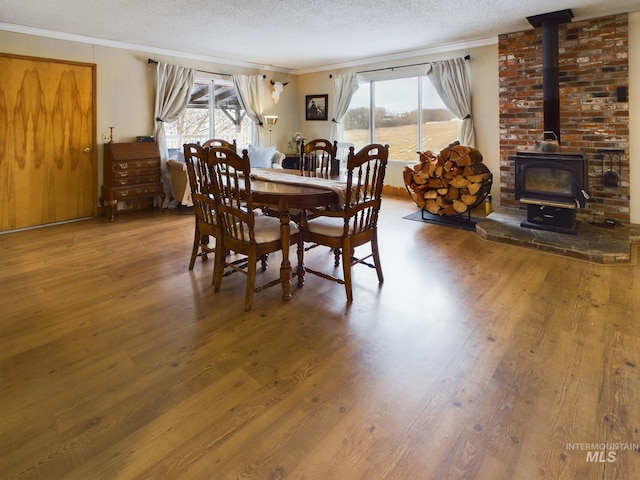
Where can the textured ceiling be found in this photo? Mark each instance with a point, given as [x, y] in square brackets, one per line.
[291, 35]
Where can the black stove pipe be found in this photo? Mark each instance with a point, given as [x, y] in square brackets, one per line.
[550, 65]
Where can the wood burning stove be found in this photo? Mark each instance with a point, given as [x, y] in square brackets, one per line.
[552, 185]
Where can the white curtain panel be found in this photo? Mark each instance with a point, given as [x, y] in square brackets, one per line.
[451, 81]
[173, 88]
[344, 86]
[250, 90]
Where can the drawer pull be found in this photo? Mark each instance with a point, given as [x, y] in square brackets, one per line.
[123, 165]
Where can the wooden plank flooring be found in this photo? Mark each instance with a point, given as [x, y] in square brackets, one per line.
[474, 360]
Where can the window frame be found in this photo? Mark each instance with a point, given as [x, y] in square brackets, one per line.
[174, 139]
[372, 78]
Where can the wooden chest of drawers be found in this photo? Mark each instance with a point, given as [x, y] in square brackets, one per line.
[131, 170]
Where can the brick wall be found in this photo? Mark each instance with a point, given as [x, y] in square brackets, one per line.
[593, 60]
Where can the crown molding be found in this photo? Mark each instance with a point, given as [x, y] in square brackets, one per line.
[225, 61]
[132, 46]
[401, 55]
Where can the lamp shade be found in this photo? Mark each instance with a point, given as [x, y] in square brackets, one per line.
[271, 120]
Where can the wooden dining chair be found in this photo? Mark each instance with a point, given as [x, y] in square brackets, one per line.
[357, 223]
[203, 205]
[219, 142]
[243, 229]
[317, 156]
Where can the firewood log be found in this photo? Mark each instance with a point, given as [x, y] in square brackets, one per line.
[432, 207]
[430, 194]
[420, 180]
[479, 178]
[469, 199]
[459, 182]
[435, 182]
[452, 194]
[474, 188]
[448, 210]
[459, 206]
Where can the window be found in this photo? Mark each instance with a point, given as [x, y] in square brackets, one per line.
[204, 119]
[405, 113]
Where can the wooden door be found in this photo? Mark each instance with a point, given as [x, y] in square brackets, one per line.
[47, 141]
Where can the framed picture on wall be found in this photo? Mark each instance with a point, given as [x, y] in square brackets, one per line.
[316, 107]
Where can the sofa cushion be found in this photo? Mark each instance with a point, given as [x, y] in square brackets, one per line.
[261, 157]
[278, 157]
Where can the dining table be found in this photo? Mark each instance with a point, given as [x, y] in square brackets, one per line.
[285, 190]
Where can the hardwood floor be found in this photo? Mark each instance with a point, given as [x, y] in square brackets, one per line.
[473, 360]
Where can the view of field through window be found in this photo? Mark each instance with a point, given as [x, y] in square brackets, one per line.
[407, 114]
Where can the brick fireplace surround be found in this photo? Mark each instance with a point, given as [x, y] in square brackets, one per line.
[594, 113]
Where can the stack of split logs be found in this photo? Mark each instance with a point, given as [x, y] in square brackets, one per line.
[450, 183]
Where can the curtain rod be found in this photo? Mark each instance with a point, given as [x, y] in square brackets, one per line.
[201, 71]
[150, 60]
[466, 57]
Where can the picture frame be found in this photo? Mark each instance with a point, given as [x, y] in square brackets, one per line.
[316, 107]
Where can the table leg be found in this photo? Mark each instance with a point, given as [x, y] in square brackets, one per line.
[300, 250]
[285, 267]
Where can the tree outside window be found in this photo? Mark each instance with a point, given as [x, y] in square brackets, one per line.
[213, 111]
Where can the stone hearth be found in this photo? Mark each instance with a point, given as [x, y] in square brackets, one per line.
[592, 243]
